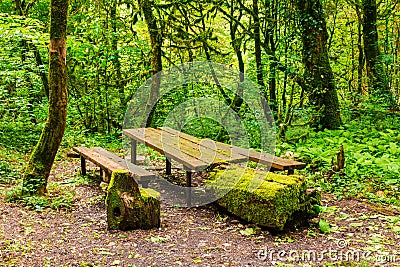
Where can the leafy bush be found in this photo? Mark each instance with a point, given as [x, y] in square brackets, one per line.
[372, 159]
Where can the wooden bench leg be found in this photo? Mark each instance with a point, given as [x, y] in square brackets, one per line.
[83, 165]
[290, 172]
[188, 178]
[168, 166]
[107, 177]
[133, 151]
[189, 189]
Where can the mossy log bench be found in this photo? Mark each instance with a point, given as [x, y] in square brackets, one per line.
[264, 198]
[109, 162]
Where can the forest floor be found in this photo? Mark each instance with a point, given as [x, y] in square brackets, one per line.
[362, 234]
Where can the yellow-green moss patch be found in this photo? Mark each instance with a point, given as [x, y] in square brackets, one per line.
[264, 198]
[148, 192]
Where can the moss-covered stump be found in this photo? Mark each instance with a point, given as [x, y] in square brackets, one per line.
[264, 198]
[130, 207]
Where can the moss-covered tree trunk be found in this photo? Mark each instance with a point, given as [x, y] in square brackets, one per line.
[377, 80]
[130, 207]
[155, 57]
[42, 158]
[318, 72]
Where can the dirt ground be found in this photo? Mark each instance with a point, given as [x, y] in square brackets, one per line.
[362, 234]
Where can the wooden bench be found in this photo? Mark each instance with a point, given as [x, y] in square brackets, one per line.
[276, 163]
[109, 162]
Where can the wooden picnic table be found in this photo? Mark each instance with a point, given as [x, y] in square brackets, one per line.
[196, 154]
[193, 153]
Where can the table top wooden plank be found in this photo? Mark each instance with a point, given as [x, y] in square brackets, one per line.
[267, 159]
[146, 136]
[184, 146]
[275, 162]
[192, 138]
[223, 151]
[201, 150]
[260, 157]
[195, 153]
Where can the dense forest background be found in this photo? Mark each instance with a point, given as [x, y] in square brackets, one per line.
[329, 70]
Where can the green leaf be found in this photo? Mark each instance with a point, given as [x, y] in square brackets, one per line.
[248, 231]
[116, 262]
[356, 224]
[197, 261]
[158, 239]
[204, 228]
[324, 226]
[105, 252]
[396, 229]
[320, 209]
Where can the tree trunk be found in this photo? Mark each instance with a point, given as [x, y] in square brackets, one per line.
[236, 45]
[318, 72]
[155, 57]
[42, 158]
[23, 11]
[269, 42]
[119, 84]
[257, 46]
[361, 60]
[272, 76]
[130, 207]
[378, 84]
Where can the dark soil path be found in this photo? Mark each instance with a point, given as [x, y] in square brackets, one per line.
[361, 233]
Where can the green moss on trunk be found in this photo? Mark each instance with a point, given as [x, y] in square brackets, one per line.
[42, 157]
[131, 207]
[156, 40]
[318, 75]
[277, 200]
